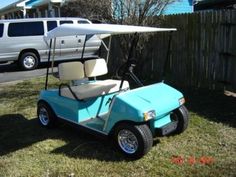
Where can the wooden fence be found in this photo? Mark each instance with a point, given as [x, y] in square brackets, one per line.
[203, 51]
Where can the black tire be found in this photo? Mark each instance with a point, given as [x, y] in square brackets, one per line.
[182, 117]
[28, 61]
[46, 116]
[141, 136]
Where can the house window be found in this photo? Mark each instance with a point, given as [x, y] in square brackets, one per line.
[65, 21]
[51, 25]
[1, 29]
[25, 29]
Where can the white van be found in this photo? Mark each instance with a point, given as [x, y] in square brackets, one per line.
[21, 41]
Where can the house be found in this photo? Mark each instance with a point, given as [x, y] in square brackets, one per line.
[52, 8]
[179, 7]
[32, 8]
[214, 4]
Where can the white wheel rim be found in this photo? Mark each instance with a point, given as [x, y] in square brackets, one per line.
[29, 62]
[43, 116]
[127, 141]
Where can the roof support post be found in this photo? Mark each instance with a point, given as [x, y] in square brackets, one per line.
[59, 11]
[168, 56]
[13, 15]
[24, 12]
[50, 10]
[38, 12]
[49, 56]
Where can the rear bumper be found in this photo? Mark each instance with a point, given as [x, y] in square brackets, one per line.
[166, 129]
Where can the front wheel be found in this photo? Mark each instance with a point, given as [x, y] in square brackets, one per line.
[46, 115]
[182, 117]
[133, 140]
[28, 61]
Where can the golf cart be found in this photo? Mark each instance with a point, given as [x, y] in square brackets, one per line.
[132, 117]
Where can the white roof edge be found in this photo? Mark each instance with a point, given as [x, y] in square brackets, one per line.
[42, 19]
[83, 29]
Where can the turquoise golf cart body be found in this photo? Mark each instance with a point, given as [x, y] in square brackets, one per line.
[132, 117]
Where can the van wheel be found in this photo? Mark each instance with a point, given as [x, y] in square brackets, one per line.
[28, 61]
[133, 140]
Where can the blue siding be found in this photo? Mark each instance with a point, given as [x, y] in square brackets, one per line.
[180, 6]
[30, 3]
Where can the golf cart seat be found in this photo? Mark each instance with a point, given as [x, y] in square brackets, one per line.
[98, 67]
[71, 71]
[75, 71]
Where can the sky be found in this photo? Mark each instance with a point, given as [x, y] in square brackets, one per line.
[4, 3]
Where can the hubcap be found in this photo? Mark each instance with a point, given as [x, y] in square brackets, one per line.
[174, 117]
[29, 62]
[43, 116]
[127, 141]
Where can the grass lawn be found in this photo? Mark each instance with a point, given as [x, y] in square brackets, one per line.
[207, 148]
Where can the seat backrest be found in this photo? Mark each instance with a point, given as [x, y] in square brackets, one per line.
[95, 67]
[71, 71]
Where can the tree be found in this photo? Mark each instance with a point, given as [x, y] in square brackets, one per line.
[118, 11]
[91, 9]
[137, 12]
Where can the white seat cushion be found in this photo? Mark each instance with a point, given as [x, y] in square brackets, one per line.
[94, 89]
[71, 71]
[95, 67]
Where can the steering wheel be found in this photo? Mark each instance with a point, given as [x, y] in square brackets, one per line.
[126, 68]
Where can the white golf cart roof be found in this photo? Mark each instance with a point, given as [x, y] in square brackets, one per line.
[108, 29]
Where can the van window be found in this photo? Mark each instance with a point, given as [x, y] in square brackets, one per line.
[51, 25]
[25, 29]
[83, 22]
[1, 30]
[65, 21]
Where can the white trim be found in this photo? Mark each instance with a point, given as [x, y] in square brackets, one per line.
[82, 125]
[22, 4]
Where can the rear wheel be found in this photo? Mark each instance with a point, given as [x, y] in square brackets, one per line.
[28, 61]
[46, 115]
[182, 117]
[133, 140]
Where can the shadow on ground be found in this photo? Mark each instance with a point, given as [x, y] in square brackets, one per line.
[14, 67]
[212, 105]
[17, 133]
